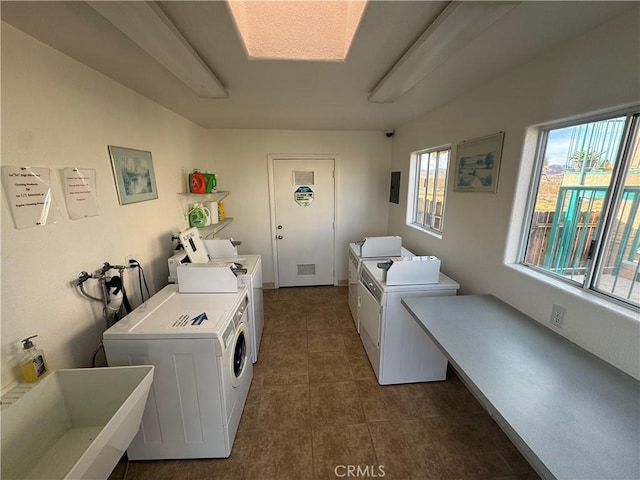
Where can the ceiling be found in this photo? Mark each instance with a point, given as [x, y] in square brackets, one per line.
[283, 94]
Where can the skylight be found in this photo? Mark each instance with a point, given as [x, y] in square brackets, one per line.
[297, 30]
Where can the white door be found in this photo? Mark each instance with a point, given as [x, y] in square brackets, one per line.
[304, 221]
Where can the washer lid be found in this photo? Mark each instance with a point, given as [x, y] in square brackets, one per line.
[248, 262]
[179, 315]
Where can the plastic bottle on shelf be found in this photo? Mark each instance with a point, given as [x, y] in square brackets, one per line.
[213, 208]
[220, 211]
[199, 216]
[211, 182]
[33, 364]
[197, 182]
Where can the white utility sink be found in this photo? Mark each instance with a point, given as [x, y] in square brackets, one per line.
[73, 424]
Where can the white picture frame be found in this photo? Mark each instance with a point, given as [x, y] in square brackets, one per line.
[134, 175]
[478, 164]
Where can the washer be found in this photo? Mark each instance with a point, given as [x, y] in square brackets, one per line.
[199, 344]
[398, 349]
[253, 281]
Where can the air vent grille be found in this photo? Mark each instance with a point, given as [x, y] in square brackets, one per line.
[307, 269]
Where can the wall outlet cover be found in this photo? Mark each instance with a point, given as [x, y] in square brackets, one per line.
[557, 316]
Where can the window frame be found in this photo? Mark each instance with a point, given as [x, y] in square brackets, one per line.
[610, 202]
[414, 189]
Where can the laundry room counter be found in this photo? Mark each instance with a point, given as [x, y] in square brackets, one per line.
[571, 414]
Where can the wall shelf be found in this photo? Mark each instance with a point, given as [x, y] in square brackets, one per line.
[206, 197]
[210, 230]
[188, 198]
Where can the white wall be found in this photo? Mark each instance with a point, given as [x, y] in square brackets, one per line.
[362, 184]
[591, 73]
[57, 113]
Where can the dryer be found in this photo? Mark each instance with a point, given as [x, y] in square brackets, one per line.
[199, 345]
[371, 248]
[397, 347]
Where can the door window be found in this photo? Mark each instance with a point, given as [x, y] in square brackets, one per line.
[239, 355]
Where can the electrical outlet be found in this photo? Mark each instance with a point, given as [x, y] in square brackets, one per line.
[557, 316]
[127, 258]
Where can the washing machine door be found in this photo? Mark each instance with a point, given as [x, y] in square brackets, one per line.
[240, 354]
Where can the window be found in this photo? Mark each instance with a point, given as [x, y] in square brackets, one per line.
[584, 225]
[428, 186]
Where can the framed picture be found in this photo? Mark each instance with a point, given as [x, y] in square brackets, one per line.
[478, 164]
[134, 175]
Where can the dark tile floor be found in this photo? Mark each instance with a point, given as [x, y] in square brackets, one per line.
[316, 411]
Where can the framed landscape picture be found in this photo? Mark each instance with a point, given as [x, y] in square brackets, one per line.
[478, 164]
[133, 174]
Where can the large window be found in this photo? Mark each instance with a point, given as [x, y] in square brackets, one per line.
[584, 222]
[428, 186]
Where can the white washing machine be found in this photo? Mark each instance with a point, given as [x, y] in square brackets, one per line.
[397, 347]
[199, 345]
[371, 248]
[253, 281]
[216, 280]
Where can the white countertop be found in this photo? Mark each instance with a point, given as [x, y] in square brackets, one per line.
[571, 414]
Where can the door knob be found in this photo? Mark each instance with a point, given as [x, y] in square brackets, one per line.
[280, 237]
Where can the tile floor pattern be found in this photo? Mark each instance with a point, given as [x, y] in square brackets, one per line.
[316, 411]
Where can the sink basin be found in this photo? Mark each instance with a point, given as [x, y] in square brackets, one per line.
[74, 423]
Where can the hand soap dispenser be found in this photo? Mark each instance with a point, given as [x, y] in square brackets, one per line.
[33, 364]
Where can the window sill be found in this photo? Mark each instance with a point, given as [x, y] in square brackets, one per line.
[587, 295]
[425, 230]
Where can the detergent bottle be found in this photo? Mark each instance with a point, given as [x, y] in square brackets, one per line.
[199, 216]
[197, 182]
[211, 182]
[33, 364]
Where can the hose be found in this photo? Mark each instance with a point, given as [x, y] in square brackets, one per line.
[112, 301]
[84, 293]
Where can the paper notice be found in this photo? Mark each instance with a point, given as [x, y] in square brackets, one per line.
[80, 192]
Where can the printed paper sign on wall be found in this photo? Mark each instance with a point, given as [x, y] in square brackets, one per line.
[80, 192]
[29, 196]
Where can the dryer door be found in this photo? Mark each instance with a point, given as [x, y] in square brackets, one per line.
[240, 353]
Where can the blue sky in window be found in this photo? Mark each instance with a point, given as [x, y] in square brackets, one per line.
[558, 146]
[602, 137]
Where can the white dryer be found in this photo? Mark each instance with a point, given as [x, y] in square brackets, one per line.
[371, 248]
[397, 347]
[199, 345]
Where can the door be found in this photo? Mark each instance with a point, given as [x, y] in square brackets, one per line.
[304, 203]
[369, 314]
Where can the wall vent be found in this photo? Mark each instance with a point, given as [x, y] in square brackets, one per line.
[307, 269]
